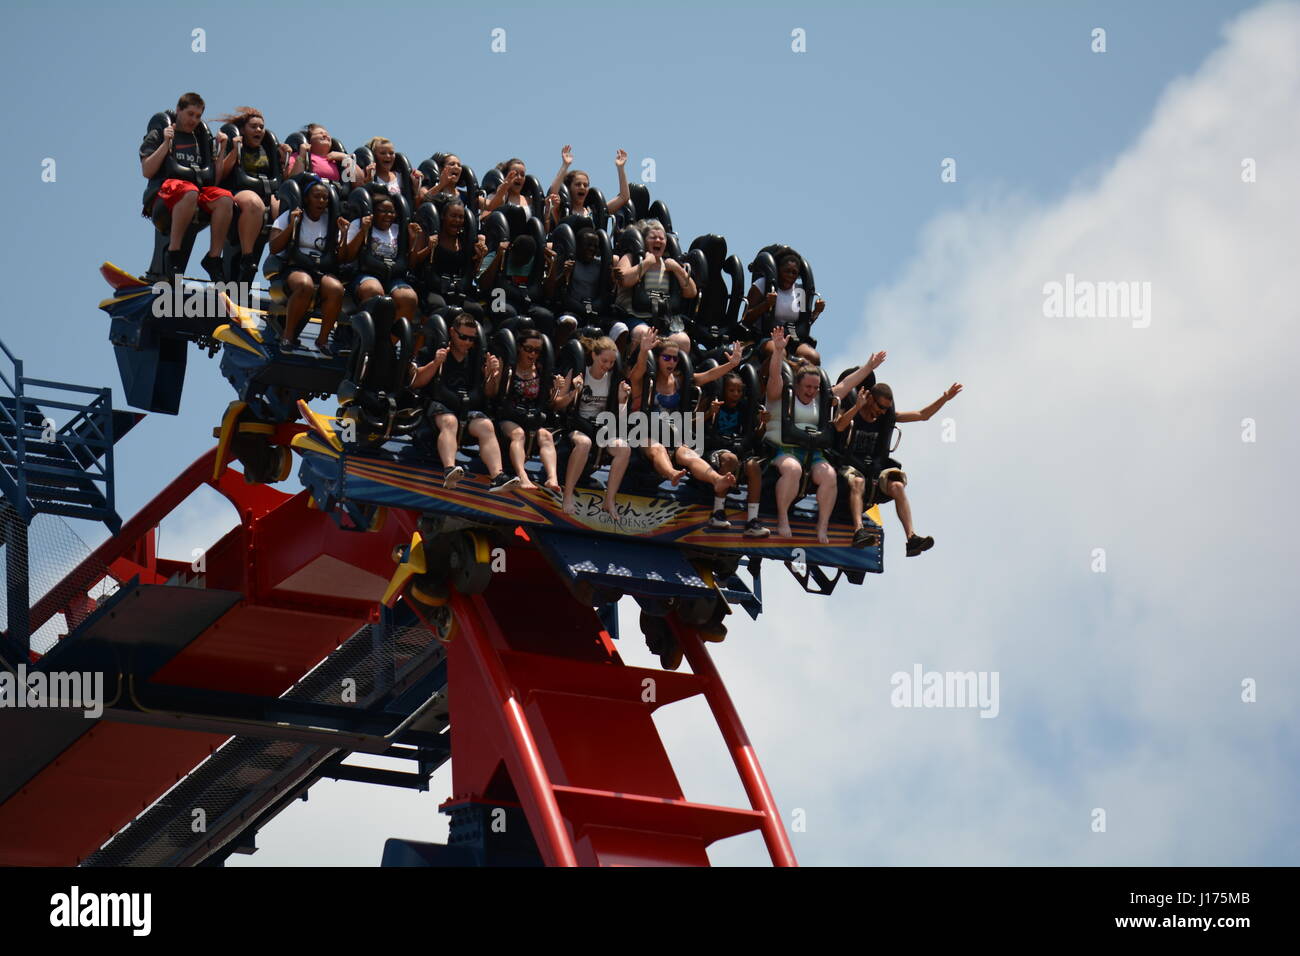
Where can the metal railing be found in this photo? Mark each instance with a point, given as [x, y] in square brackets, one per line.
[85, 439]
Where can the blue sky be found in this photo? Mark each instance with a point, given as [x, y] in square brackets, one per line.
[835, 151]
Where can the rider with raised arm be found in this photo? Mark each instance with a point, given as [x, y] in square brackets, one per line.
[672, 458]
[872, 421]
[805, 414]
[579, 184]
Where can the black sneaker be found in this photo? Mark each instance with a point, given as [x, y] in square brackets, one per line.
[173, 264]
[916, 544]
[754, 529]
[862, 538]
[214, 267]
[503, 482]
[452, 475]
[719, 520]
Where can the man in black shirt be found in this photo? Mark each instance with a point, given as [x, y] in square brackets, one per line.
[462, 382]
[872, 422]
[189, 183]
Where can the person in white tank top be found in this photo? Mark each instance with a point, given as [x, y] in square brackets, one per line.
[806, 414]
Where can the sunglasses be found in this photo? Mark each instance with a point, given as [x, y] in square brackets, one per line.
[668, 358]
[531, 349]
[463, 338]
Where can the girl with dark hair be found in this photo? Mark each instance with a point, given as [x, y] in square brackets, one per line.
[511, 188]
[768, 308]
[378, 235]
[453, 262]
[306, 265]
[525, 402]
[251, 150]
[447, 188]
[579, 184]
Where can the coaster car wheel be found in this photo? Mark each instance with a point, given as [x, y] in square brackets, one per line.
[471, 562]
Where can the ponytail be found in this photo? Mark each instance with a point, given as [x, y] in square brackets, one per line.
[591, 346]
[240, 116]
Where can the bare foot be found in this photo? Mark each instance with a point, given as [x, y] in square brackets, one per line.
[823, 537]
[526, 485]
[783, 531]
[724, 484]
[552, 485]
[678, 475]
[569, 507]
[612, 512]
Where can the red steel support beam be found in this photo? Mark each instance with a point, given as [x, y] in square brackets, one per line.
[553, 835]
[742, 751]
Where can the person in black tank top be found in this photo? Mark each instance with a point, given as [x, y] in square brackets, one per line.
[252, 151]
[525, 403]
[462, 381]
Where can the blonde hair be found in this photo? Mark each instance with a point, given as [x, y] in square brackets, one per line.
[592, 347]
[376, 141]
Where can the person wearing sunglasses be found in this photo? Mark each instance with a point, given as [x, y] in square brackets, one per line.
[870, 424]
[462, 382]
[676, 460]
[526, 399]
[376, 240]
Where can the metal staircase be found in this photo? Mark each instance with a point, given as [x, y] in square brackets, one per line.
[47, 468]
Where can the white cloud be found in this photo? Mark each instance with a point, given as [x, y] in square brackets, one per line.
[1118, 690]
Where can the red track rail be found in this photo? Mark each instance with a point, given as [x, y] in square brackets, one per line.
[560, 725]
[288, 562]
